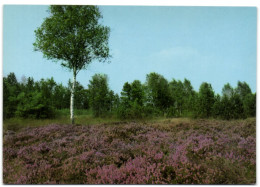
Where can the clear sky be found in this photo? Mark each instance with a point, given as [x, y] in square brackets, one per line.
[203, 44]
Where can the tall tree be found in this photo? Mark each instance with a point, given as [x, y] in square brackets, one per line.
[74, 36]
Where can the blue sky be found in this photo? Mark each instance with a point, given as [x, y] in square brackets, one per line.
[203, 44]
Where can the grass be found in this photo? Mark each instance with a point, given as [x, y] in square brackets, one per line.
[82, 117]
[85, 117]
[15, 124]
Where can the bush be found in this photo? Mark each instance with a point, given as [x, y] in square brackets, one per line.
[34, 105]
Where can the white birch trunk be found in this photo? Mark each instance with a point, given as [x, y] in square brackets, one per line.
[72, 97]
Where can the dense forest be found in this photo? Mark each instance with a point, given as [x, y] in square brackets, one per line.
[156, 97]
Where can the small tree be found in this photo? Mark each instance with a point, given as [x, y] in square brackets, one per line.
[73, 36]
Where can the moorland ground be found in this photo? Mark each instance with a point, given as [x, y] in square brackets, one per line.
[103, 151]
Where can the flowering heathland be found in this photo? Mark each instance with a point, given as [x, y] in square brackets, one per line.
[195, 152]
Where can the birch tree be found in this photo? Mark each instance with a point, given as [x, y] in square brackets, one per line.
[73, 36]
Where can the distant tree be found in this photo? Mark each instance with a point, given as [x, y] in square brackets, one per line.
[126, 94]
[6, 95]
[111, 100]
[205, 100]
[137, 92]
[243, 89]
[158, 91]
[116, 102]
[226, 108]
[47, 88]
[183, 97]
[177, 94]
[34, 105]
[217, 109]
[11, 79]
[227, 91]
[35, 100]
[74, 36]
[59, 97]
[249, 104]
[237, 109]
[11, 89]
[132, 100]
[99, 94]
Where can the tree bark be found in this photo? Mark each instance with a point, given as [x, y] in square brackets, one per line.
[72, 97]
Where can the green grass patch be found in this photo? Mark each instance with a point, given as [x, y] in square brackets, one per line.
[83, 117]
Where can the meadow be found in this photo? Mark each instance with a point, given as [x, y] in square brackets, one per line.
[156, 151]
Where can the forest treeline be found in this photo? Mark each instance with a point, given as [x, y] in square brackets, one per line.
[156, 97]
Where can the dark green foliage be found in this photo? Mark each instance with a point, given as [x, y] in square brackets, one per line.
[61, 97]
[177, 93]
[249, 100]
[243, 89]
[40, 99]
[99, 95]
[189, 96]
[36, 99]
[205, 100]
[227, 91]
[30, 99]
[126, 95]
[217, 109]
[226, 109]
[34, 105]
[137, 92]
[132, 101]
[11, 89]
[113, 101]
[158, 91]
[182, 97]
[172, 112]
[230, 106]
[250, 105]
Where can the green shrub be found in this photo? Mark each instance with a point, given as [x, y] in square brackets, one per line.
[34, 105]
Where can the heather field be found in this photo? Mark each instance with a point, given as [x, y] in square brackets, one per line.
[172, 151]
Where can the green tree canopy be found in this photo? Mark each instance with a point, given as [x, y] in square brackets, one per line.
[74, 36]
[227, 91]
[158, 91]
[99, 94]
[206, 100]
[243, 89]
